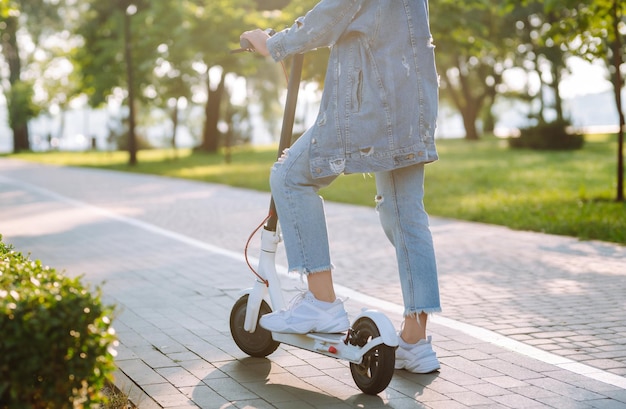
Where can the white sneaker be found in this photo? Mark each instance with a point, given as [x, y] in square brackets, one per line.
[307, 314]
[416, 358]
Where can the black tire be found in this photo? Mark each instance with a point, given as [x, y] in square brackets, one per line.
[258, 343]
[372, 375]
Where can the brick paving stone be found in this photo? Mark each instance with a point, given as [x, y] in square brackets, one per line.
[447, 404]
[565, 389]
[512, 370]
[140, 372]
[167, 395]
[489, 390]
[424, 395]
[518, 402]
[178, 377]
[533, 392]
[168, 253]
[566, 403]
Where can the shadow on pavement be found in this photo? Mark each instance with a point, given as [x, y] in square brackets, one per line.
[258, 377]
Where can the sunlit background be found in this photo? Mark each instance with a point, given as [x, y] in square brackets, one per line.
[68, 122]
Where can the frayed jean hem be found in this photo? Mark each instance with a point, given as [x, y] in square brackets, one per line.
[414, 312]
[306, 271]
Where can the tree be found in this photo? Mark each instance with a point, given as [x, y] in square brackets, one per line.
[237, 18]
[475, 40]
[113, 57]
[38, 19]
[128, 10]
[598, 27]
[175, 64]
[538, 53]
[212, 29]
[173, 75]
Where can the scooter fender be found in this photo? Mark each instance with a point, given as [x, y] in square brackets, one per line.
[387, 331]
[256, 295]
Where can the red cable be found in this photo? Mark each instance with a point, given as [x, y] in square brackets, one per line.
[245, 252]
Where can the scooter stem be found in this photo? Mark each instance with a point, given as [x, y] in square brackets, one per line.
[270, 237]
[286, 133]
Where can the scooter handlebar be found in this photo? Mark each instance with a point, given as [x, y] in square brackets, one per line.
[246, 45]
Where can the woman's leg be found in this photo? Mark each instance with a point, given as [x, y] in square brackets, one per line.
[301, 210]
[303, 224]
[401, 209]
[404, 220]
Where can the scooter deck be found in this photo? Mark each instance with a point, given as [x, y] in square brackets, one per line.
[329, 344]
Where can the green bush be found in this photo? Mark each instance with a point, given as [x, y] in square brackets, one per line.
[552, 136]
[55, 338]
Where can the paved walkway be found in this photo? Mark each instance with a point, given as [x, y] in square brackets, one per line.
[530, 320]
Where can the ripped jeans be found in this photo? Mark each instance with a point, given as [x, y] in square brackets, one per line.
[399, 203]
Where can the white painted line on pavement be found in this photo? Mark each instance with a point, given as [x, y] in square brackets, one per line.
[125, 219]
[474, 331]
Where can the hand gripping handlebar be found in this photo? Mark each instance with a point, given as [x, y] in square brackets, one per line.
[245, 45]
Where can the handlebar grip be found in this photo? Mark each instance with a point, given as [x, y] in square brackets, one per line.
[245, 44]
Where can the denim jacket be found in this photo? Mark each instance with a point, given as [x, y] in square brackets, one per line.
[379, 106]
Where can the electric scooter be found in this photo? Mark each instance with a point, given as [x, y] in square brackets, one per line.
[370, 343]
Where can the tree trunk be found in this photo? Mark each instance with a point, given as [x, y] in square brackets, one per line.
[128, 55]
[468, 106]
[489, 119]
[174, 123]
[21, 140]
[539, 115]
[558, 101]
[210, 134]
[542, 101]
[10, 50]
[616, 48]
[61, 130]
[469, 122]
[557, 63]
[174, 126]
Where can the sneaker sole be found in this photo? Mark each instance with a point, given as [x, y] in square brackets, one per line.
[424, 368]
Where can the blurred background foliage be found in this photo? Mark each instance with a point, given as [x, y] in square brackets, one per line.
[169, 54]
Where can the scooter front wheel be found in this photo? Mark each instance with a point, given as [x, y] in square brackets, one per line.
[374, 373]
[258, 343]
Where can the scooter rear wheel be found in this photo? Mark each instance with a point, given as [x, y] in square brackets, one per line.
[372, 375]
[258, 343]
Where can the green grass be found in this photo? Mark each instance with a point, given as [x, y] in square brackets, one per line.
[566, 192]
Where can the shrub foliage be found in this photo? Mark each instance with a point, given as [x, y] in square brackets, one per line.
[550, 136]
[55, 338]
